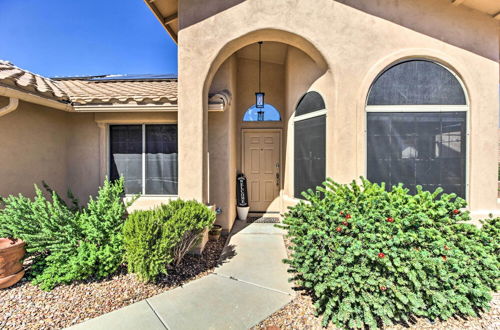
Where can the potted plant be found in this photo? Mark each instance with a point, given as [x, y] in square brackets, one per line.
[11, 268]
[214, 233]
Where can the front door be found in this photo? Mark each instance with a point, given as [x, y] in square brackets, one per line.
[261, 165]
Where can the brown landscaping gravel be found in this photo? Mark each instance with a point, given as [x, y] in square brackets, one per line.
[299, 314]
[25, 306]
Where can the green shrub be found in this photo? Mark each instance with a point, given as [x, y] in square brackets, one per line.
[367, 255]
[68, 243]
[491, 228]
[161, 237]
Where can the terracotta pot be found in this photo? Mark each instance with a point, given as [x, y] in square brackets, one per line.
[11, 268]
[214, 233]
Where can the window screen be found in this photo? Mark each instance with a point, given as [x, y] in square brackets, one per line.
[159, 163]
[427, 149]
[161, 159]
[417, 82]
[126, 156]
[310, 102]
[310, 154]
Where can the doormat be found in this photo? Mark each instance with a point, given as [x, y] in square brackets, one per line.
[263, 220]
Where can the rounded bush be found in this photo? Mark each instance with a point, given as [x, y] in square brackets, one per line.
[157, 238]
[368, 256]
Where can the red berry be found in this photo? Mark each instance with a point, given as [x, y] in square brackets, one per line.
[446, 247]
[390, 219]
[381, 255]
[347, 216]
[341, 212]
[339, 229]
[383, 288]
[456, 211]
[345, 223]
[444, 258]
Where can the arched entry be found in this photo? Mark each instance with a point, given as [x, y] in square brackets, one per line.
[215, 143]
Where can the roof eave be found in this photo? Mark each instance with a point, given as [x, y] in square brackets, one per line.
[126, 108]
[33, 98]
[165, 21]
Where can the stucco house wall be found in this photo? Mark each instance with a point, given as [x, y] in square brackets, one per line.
[354, 41]
[222, 146]
[82, 155]
[66, 150]
[32, 149]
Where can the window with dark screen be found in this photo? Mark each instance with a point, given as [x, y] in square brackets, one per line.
[146, 156]
[309, 143]
[417, 128]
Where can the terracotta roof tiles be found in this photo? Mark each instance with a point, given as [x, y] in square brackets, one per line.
[94, 90]
[14, 77]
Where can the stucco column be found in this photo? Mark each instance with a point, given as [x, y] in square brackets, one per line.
[192, 126]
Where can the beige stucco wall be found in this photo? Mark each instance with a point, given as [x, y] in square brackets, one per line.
[222, 148]
[32, 149]
[67, 150]
[82, 155]
[352, 41]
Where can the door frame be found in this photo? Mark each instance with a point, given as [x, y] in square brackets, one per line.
[242, 160]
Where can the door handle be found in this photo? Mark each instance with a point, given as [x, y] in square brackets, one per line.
[277, 179]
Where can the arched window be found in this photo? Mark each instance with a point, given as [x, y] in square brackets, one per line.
[309, 143]
[267, 113]
[417, 128]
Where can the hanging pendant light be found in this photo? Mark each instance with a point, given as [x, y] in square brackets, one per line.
[259, 96]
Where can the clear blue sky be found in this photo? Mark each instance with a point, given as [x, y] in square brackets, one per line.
[84, 37]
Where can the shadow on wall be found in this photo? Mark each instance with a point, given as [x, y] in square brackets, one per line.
[434, 19]
[430, 17]
[198, 10]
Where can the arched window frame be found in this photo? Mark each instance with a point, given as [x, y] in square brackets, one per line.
[273, 108]
[418, 108]
[423, 109]
[300, 118]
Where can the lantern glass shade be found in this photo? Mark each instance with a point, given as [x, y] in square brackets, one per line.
[259, 100]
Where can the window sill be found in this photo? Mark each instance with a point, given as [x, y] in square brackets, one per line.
[148, 202]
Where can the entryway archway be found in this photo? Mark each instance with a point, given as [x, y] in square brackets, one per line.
[258, 142]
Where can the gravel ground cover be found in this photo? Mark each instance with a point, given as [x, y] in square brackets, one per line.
[299, 314]
[25, 306]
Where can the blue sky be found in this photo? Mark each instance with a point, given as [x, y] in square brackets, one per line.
[84, 37]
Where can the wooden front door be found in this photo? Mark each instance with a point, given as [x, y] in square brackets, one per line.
[261, 165]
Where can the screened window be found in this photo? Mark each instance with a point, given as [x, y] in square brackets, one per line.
[268, 113]
[146, 156]
[309, 143]
[417, 82]
[417, 128]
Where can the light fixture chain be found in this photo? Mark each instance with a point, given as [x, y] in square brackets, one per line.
[260, 64]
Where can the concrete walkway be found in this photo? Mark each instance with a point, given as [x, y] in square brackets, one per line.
[249, 285]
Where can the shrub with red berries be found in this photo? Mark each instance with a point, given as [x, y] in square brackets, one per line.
[422, 260]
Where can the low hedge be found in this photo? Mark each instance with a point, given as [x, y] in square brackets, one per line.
[161, 237]
[68, 242]
[370, 256]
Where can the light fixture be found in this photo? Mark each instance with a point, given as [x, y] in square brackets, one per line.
[260, 115]
[259, 96]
